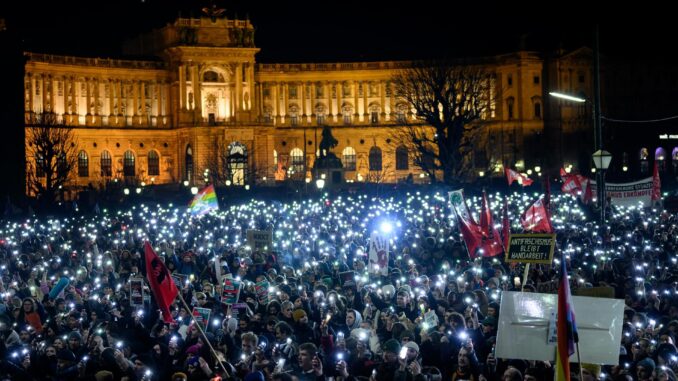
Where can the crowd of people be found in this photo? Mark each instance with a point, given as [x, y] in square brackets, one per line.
[75, 304]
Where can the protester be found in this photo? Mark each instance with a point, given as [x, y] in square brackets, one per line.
[80, 294]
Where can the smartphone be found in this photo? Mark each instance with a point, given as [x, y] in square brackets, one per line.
[403, 353]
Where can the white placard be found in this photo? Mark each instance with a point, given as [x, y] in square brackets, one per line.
[524, 321]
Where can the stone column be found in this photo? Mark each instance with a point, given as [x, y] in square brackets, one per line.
[356, 100]
[44, 92]
[382, 94]
[253, 99]
[96, 96]
[392, 110]
[182, 87]
[31, 91]
[52, 94]
[328, 85]
[74, 96]
[340, 93]
[313, 90]
[88, 91]
[111, 98]
[142, 95]
[274, 96]
[135, 97]
[366, 91]
[303, 101]
[286, 100]
[197, 97]
[121, 99]
[238, 86]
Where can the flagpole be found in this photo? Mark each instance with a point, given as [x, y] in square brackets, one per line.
[581, 373]
[525, 274]
[214, 353]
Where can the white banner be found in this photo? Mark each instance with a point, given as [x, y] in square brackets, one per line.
[526, 327]
[627, 194]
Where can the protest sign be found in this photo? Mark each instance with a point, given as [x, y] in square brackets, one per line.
[238, 309]
[525, 317]
[378, 254]
[136, 292]
[231, 291]
[260, 240]
[201, 316]
[531, 248]
[179, 280]
[261, 289]
[628, 194]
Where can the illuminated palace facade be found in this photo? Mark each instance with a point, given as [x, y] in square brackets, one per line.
[205, 97]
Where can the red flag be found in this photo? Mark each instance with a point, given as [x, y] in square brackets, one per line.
[161, 283]
[505, 224]
[576, 185]
[471, 234]
[536, 218]
[656, 184]
[512, 175]
[491, 241]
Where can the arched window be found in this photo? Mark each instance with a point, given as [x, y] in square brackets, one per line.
[348, 158]
[83, 164]
[153, 163]
[188, 164]
[128, 164]
[237, 163]
[375, 159]
[62, 165]
[401, 159]
[106, 164]
[297, 156]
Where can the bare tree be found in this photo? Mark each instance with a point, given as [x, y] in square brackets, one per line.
[51, 155]
[449, 99]
[222, 165]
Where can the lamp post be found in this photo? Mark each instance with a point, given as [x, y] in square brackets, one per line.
[601, 159]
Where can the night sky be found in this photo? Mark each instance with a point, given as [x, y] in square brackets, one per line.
[322, 31]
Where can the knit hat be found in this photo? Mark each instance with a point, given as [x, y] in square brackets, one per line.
[254, 376]
[103, 375]
[391, 345]
[412, 345]
[298, 314]
[179, 376]
[648, 364]
[489, 320]
[409, 334]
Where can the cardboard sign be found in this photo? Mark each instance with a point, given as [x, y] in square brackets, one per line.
[260, 240]
[523, 330]
[201, 316]
[378, 255]
[231, 291]
[239, 309]
[179, 280]
[136, 292]
[347, 276]
[531, 248]
[431, 320]
[261, 289]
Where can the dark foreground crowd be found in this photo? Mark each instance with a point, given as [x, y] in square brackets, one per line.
[309, 309]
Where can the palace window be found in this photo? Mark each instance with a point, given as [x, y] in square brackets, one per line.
[153, 163]
[83, 164]
[402, 162]
[128, 164]
[297, 156]
[106, 170]
[375, 159]
[348, 158]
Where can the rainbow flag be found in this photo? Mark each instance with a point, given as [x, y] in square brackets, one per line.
[567, 327]
[204, 202]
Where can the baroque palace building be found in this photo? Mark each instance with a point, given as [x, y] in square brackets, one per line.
[205, 100]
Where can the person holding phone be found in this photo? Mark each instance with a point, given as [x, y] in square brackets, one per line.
[409, 366]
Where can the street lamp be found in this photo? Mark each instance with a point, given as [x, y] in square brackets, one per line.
[602, 159]
[320, 183]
